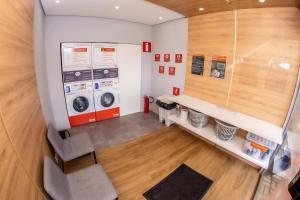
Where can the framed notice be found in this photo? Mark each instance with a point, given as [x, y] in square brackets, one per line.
[76, 55]
[157, 57]
[176, 91]
[161, 69]
[172, 71]
[167, 57]
[198, 65]
[104, 54]
[218, 67]
[178, 58]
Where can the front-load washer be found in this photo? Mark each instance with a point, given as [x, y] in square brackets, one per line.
[79, 96]
[106, 94]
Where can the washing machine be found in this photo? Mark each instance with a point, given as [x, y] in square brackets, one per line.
[78, 86]
[106, 94]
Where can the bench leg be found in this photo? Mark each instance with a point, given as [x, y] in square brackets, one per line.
[62, 166]
[95, 157]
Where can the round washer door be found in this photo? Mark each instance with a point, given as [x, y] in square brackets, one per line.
[107, 99]
[81, 104]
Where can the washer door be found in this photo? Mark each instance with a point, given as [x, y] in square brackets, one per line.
[107, 99]
[80, 104]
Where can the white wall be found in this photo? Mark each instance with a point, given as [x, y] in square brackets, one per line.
[39, 59]
[170, 37]
[87, 29]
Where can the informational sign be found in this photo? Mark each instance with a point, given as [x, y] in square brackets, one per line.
[161, 69]
[198, 65]
[157, 57]
[178, 58]
[104, 54]
[75, 76]
[176, 91]
[218, 67]
[167, 57]
[146, 46]
[76, 55]
[172, 71]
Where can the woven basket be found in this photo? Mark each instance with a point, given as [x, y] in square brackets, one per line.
[225, 131]
[198, 119]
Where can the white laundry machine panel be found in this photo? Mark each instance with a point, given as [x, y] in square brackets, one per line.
[106, 94]
[79, 96]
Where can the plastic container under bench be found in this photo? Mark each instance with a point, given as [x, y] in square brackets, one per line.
[258, 147]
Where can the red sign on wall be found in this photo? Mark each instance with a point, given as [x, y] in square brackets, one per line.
[172, 71]
[178, 58]
[157, 57]
[167, 57]
[146, 46]
[176, 91]
[161, 69]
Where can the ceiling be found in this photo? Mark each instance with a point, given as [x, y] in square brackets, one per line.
[191, 7]
[139, 11]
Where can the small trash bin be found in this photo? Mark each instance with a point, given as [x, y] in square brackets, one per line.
[165, 109]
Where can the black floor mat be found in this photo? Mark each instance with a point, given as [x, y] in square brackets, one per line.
[183, 183]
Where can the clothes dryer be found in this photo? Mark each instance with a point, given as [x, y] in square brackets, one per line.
[106, 94]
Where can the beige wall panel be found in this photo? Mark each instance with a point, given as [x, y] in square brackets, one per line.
[210, 35]
[267, 62]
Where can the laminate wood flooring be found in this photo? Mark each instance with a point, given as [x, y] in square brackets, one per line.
[136, 166]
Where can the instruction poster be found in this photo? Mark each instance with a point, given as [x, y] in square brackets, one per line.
[178, 58]
[218, 67]
[172, 71]
[167, 57]
[104, 55]
[157, 57]
[76, 55]
[198, 65]
[161, 69]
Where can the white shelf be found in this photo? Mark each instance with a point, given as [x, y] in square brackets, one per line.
[234, 146]
[248, 123]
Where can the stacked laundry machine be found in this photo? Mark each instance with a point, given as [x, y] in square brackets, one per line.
[106, 81]
[90, 78]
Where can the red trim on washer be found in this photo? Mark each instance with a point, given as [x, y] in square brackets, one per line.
[82, 119]
[107, 114]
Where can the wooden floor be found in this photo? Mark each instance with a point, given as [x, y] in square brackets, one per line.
[136, 166]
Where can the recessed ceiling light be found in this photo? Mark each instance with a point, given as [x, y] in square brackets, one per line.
[261, 1]
[160, 18]
[201, 9]
[117, 7]
[57, 1]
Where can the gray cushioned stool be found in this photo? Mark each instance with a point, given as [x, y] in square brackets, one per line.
[90, 183]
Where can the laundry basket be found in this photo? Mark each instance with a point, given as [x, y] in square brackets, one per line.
[198, 119]
[225, 131]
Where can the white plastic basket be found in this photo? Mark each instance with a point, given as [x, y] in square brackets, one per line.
[198, 119]
[225, 131]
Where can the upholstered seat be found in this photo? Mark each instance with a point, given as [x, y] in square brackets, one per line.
[71, 147]
[90, 183]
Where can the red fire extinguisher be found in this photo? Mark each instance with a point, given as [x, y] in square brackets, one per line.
[147, 101]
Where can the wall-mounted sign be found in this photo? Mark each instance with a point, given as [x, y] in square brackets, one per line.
[176, 91]
[75, 55]
[157, 57]
[172, 71]
[146, 46]
[218, 67]
[167, 57]
[104, 54]
[198, 65]
[161, 69]
[178, 58]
